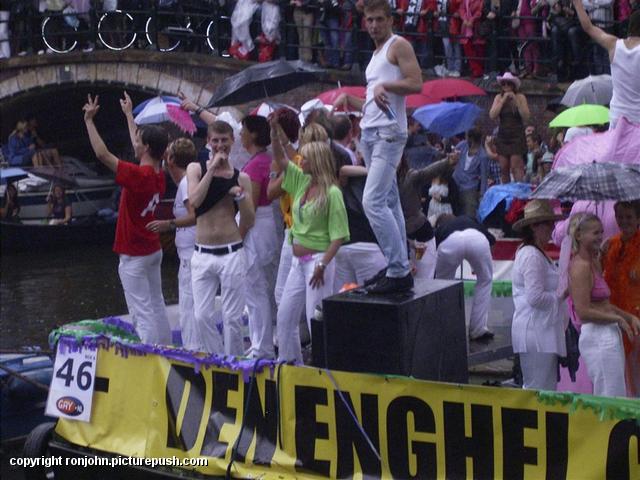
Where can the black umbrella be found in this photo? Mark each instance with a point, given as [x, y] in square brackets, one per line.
[264, 80]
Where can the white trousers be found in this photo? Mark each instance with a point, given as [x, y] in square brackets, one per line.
[601, 348]
[286, 254]
[5, 49]
[188, 329]
[207, 273]
[472, 246]
[539, 370]
[262, 243]
[299, 293]
[357, 262]
[142, 285]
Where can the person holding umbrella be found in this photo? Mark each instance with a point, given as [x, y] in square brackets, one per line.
[512, 110]
[624, 55]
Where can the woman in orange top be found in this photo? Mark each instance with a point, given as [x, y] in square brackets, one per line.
[621, 262]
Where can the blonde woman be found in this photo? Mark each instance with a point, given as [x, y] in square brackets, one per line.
[600, 340]
[318, 229]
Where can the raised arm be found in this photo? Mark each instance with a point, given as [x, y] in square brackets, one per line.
[190, 106]
[90, 110]
[198, 184]
[404, 56]
[602, 38]
[280, 160]
[496, 106]
[127, 109]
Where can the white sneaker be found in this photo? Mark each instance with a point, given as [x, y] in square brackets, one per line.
[40, 52]
[454, 74]
[440, 70]
[22, 53]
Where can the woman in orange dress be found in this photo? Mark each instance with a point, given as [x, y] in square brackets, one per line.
[621, 262]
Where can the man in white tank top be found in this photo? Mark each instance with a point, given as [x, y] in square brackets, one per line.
[392, 73]
[624, 55]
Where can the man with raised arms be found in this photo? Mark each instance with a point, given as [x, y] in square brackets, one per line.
[392, 73]
[217, 191]
[139, 249]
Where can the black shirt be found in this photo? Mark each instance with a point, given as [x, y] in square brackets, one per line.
[218, 189]
[458, 224]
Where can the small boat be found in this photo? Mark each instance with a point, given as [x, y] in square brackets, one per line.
[35, 235]
[88, 190]
[24, 381]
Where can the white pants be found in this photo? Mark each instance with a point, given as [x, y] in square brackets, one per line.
[142, 285]
[286, 254]
[426, 266]
[5, 49]
[207, 273]
[357, 262]
[601, 348]
[188, 329]
[539, 370]
[261, 243]
[299, 293]
[470, 245]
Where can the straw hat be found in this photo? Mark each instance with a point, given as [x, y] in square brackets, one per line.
[509, 77]
[536, 211]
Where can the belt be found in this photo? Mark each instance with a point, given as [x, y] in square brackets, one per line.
[219, 250]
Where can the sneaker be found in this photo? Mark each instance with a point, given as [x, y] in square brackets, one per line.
[454, 74]
[376, 278]
[391, 285]
[484, 336]
[440, 70]
[24, 52]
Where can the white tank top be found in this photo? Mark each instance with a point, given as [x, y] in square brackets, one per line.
[380, 70]
[625, 73]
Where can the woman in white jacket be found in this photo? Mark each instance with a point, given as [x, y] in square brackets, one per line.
[538, 326]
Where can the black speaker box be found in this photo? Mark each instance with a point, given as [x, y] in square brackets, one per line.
[420, 334]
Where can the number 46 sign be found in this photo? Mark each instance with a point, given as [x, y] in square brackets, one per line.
[71, 390]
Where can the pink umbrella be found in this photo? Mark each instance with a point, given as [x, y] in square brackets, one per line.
[444, 88]
[330, 96]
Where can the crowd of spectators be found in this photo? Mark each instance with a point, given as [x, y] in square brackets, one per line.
[531, 38]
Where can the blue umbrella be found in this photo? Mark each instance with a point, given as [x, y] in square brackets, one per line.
[12, 174]
[447, 118]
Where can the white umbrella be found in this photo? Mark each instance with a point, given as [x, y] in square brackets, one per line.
[594, 89]
[165, 109]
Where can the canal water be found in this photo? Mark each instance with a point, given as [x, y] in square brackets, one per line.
[42, 290]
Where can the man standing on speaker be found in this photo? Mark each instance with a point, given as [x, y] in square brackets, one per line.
[463, 238]
[392, 73]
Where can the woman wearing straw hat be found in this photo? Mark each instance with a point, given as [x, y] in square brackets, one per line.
[537, 332]
[512, 109]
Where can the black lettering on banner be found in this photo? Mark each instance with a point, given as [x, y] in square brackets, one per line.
[397, 436]
[308, 429]
[263, 425]
[557, 431]
[515, 454]
[349, 436]
[221, 413]
[176, 384]
[478, 446]
[618, 449]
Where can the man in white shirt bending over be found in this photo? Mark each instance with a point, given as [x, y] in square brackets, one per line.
[392, 73]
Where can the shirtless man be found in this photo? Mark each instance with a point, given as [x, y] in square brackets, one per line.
[216, 190]
[392, 73]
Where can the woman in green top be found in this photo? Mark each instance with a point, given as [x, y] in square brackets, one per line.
[318, 229]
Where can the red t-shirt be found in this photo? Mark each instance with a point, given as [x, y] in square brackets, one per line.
[141, 192]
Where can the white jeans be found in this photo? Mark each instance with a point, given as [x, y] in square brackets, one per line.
[299, 293]
[470, 245]
[357, 262]
[188, 329]
[142, 285]
[539, 370]
[286, 254]
[261, 244]
[601, 348]
[207, 273]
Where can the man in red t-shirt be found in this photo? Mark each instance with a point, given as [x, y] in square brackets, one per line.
[139, 249]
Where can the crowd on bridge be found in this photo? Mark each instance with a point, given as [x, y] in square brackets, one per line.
[532, 38]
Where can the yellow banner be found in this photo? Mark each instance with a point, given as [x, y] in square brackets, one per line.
[297, 425]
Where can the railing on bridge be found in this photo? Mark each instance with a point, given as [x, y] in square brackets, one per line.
[539, 45]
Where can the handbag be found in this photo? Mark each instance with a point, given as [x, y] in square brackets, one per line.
[572, 360]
